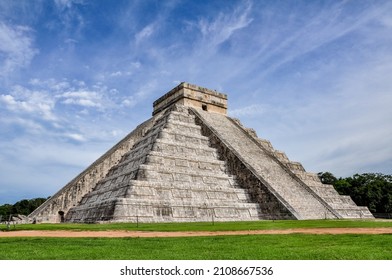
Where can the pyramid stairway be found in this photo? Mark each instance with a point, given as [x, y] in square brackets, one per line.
[191, 162]
[298, 190]
[171, 174]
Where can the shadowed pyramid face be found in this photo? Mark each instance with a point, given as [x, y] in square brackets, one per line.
[191, 162]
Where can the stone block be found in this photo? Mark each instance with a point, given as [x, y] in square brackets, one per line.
[190, 162]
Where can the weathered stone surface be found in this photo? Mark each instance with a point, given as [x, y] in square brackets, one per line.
[190, 162]
[193, 96]
[54, 209]
[170, 174]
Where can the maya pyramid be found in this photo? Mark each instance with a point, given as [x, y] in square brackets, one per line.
[191, 162]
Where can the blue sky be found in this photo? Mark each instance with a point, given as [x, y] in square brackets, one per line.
[313, 77]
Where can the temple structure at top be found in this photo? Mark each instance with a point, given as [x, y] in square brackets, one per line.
[193, 96]
[191, 162]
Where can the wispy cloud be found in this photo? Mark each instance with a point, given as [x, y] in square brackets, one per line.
[145, 33]
[16, 48]
[221, 28]
[254, 110]
[311, 77]
[82, 98]
[58, 108]
[62, 4]
[33, 103]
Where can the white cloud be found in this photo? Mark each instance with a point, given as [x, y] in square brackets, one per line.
[76, 137]
[31, 125]
[129, 102]
[343, 131]
[251, 110]
[145, 33]
[136, 64]
[117, 74]
[16, 48]
[286, 39]
[64, 3]
[82, 98]
[35, 103]
[314, 80]
[61, 109]
[222, 27]
[69, 21]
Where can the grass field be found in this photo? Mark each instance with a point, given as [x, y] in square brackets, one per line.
[207, 226]
[246, 247]
[272, 247]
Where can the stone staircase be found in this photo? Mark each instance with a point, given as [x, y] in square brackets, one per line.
[341, 204]
[303, 201]
[303, 191]
[171, 174]
[190, 162]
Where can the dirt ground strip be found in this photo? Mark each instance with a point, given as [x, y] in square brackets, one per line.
[114, 234]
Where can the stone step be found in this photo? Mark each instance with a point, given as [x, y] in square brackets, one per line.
[179, 174]
[138, 150]
[154, 157]
[183, 137]
[229, 187]
[172, 196]
[128, 172]
[126, 166]
[147, 139]
[355, 213]
[184, 126]
[125, 176]
[324, 190]
[167, 119]
[306, 177]
[266, 167]
[145, 146]
[295, 167]
[183, 117]
[349, 200]
[175, 189]
[183, 163]
[175, 116]
[230, 182]
[281, 156]
[139, 208]
[266, 144]
[187, 202]
[189, 195]
[169, 148]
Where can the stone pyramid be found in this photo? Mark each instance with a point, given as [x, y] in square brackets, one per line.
[191, 162]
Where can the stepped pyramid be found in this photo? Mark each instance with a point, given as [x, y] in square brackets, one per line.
[191, 162]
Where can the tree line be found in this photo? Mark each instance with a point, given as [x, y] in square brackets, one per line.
[23, 207]
[373, 190]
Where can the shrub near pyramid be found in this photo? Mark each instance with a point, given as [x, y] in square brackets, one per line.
[191, 162]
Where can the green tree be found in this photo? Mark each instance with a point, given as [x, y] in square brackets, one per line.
[23, 207]
[327, 178]
[373, 190]
[5, 211]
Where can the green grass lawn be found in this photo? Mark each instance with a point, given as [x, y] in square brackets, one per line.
[275, 247]
[208, 226]
[247, 247]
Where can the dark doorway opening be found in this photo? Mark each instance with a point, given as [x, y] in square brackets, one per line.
[61, 214]
[204, 107]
